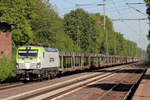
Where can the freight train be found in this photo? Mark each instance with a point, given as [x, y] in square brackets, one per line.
[37, 62]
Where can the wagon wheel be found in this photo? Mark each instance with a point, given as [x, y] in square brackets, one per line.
[49, 76]
[52, 76]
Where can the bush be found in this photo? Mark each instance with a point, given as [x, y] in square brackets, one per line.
[7, 69]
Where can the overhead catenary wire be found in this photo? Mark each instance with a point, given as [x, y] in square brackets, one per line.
[120, 18]
[137, 10]
[98, 4]
[114, 11]
[109, 8]
[126, 19]
[117, 10]
[129, 19]
[136, 3]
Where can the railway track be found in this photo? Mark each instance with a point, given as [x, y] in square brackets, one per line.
[67, 88]
[11, 85]
[129, 81]
[106, 95]
[18, 84]
[58, 90]
[80, 81]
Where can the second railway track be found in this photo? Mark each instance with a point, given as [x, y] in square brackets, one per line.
[122, 87]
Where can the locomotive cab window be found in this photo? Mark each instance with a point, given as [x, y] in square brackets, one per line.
[28, 53]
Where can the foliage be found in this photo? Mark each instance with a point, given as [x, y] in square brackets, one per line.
[37, 21]
[16, 12]
[79, 26]
[117, 44]
[48, 28]
[148, 51]
[101, 37]
[7, 69]
[148, 12]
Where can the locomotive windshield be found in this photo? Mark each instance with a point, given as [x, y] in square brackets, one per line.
[28, 53]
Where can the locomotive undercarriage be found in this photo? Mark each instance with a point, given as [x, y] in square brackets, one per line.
[37, 74]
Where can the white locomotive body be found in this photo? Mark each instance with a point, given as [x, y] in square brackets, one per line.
[37, 62]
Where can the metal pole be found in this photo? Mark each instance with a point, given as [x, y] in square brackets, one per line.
[78, 30]
[115, 51]
[78, 37]
[104, 2]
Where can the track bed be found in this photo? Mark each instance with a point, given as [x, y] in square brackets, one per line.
[85, 86]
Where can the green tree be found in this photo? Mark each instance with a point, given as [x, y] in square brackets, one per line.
[101, 35]
[80, 26]
[32, 21]
[17, 12]
[48, 27]
[148, 12]
[148, 51]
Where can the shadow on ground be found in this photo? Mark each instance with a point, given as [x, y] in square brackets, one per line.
[147, 77]
[136, 71]
[108, 86]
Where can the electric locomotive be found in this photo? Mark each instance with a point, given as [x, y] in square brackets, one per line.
[37, 62]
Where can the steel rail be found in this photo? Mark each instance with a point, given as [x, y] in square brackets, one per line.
[129, 92]
[64, 92]
[8, 86]
[110, 90]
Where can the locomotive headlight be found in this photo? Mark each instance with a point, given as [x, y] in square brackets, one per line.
[38, 65]
[17, 65]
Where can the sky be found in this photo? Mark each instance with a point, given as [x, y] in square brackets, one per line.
[134, 30]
